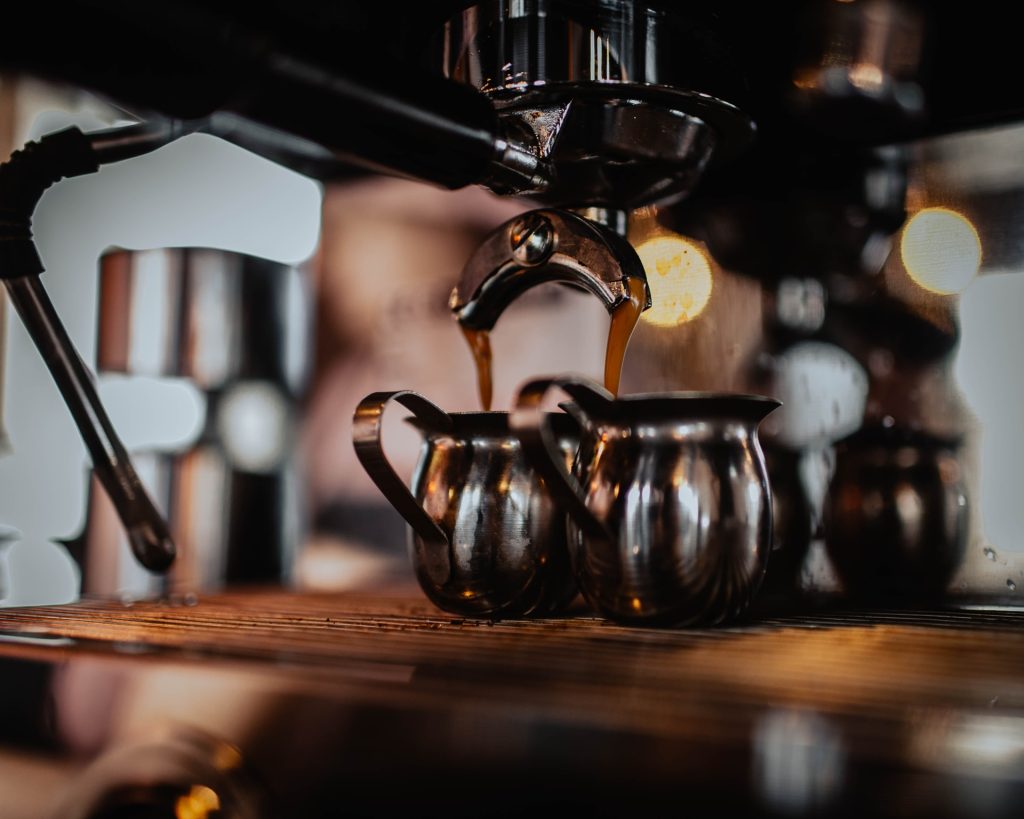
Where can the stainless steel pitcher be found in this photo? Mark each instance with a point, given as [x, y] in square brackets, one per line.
[670, 516]
[896, 521]
[486, 537]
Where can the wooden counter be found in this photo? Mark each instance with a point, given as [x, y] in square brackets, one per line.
[814, 713]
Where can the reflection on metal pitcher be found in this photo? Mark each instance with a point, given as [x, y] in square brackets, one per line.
[897, 516]
[486, 537]
[669, 501]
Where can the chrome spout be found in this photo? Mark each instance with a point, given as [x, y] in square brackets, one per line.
[544, 246]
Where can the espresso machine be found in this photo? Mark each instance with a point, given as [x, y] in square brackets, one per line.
[811, 200]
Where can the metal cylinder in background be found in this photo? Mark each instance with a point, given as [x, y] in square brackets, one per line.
[234, 330]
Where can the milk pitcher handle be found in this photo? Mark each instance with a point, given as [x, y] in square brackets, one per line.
[533, 428]
[366, 437]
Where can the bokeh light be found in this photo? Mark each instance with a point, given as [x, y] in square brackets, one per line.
[679, 275]
[941, 250]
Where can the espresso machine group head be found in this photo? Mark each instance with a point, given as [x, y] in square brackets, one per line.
[600, 94]
[597, 92]
[610, 103]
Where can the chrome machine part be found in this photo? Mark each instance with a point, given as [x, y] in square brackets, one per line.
[602, 92]
[227, 335]
[148, 535]
[612, 218]
[169, 771]
[896, 523]
[24, 177]
[543, 246]
[487, 538]
[670, 512]
[863, 78]
[216, 317]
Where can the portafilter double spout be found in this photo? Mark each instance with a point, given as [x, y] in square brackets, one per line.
[544, 246]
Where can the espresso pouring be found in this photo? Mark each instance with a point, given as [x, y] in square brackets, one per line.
[480, 346]
[624, 320]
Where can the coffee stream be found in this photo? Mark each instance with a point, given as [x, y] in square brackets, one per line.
[624, 321]
[480, 347]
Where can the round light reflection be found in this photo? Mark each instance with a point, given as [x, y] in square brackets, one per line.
[253, 424]
[941, 250]
[679, 275]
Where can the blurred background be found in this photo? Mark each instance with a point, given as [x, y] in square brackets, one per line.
[236, 312]
[199, 193]
[832, 194]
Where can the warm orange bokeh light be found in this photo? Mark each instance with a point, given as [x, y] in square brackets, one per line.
[679, 275]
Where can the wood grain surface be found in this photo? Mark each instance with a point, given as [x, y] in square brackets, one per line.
[903, 713]
[845, 662]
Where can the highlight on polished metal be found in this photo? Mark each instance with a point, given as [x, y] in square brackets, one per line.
[862, 73]
[670, 512]
[542, 246]
[486, 537]
[231, 331]
[605, 93]
[167, 770]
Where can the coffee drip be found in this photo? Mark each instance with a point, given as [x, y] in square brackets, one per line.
[480, 346]
[624, 320]
[625, 317]
[541, 246]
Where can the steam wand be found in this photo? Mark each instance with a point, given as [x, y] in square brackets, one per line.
[23, 179]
